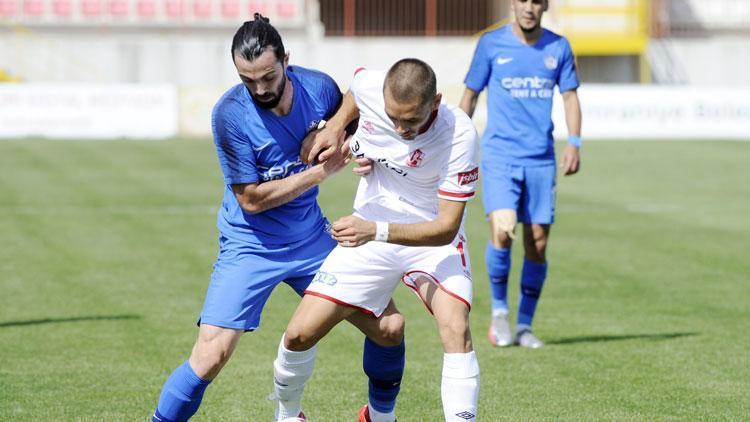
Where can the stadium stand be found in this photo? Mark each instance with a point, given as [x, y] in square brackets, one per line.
[149, 13]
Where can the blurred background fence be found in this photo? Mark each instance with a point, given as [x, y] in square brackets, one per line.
[694, 44]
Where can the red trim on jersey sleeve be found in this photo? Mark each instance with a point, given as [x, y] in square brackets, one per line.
[455, 194]
[359, 69]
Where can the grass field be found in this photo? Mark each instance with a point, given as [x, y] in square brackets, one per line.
[106, 249]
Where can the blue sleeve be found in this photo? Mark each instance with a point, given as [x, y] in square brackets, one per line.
[332, 95]
[481, 67]
[567, 80]
[235, 151]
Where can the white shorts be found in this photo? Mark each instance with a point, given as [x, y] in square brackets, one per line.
[366, 276]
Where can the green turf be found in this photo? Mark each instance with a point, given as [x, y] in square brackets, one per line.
[106, 249]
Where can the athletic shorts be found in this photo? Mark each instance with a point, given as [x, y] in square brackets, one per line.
[245, 274]
[530, 190]
[366, 276]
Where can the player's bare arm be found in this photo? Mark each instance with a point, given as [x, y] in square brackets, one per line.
[258, 197]
[353, 231]
[571, 157]
[469, 102]
[324, 140]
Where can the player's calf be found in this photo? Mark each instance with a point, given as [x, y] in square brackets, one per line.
[291, 370]
[460, 380]
[182, 393]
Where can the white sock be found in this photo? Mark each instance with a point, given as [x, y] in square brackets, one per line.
[376, 416]
[291, 370]
[460, 386]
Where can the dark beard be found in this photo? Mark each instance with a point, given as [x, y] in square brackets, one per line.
[529, 30]
[268, 105]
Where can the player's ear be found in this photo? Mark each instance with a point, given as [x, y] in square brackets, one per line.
[545, 5]
[436, 101]
[286, 60]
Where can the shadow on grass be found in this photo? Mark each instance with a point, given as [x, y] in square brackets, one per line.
[71, 319]
[597, 339]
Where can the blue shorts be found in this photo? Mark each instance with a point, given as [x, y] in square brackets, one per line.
[245, 274]
[530, 190]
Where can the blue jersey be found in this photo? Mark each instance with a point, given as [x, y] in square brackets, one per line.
[520, 80]
[256, 146]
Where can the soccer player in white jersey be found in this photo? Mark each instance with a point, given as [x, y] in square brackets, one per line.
[406, 226]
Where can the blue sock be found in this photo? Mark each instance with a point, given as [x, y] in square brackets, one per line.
[180, 396]
[532, 280]
[385, 367]
[498, 268]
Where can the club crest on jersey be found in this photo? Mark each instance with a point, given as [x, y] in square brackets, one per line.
[415, 158]
[550, 62]
[467, 177]
[368, 127]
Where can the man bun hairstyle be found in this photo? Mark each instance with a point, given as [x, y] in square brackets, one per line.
[254, 37]
[410, 80]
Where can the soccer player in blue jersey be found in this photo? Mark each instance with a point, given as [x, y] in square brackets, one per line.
[520, 64]
[271, 228]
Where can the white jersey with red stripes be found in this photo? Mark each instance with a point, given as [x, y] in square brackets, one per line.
[409, 176]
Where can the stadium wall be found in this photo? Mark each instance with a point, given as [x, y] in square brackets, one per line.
[197, 63]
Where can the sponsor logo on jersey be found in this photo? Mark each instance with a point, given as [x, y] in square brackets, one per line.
[550, 62]
[396, 169]
[467, 177]
[529, 87]
[529, 82]
[325, 278]
[281, 171]
[415, 158]
[504, 60]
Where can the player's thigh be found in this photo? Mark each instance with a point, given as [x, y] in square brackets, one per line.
[451, 315]
[243, 278]
[447, 268]
[538, 200]
[312, 320]
[387, 330]
[501, 186]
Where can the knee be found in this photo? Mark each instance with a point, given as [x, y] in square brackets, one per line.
[454, 334]
[501, 239]
[298, 339]
[208, 357]
[392, 330]
[536, 249]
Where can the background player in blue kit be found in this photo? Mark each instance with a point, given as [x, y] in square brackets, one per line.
[271, 228]
[520, 64]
